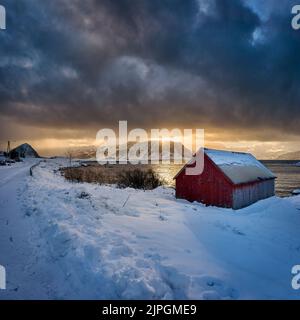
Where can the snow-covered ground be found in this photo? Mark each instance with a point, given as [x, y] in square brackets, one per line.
[60, 240]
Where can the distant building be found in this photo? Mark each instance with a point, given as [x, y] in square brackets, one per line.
[229, 179]
[23, 151]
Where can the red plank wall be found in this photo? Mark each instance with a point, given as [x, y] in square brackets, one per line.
[211, 187]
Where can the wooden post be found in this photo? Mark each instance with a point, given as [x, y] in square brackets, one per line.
[8, 147]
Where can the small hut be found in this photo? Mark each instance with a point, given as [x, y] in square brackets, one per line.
[229, 179]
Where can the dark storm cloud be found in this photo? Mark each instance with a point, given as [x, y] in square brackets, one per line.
[76, 64]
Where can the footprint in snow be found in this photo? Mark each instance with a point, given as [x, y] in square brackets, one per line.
[211, 288]
[162, 218]
[227, 227]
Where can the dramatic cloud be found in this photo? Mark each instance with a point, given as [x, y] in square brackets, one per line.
[84, 64]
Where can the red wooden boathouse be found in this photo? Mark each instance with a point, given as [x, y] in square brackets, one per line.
[229, 179]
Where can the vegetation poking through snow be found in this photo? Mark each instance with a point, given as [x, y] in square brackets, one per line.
[80, 174]
[140, 179]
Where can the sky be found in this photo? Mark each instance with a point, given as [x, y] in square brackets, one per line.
[71, 68]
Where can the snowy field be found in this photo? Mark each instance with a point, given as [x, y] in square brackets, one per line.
[60, 240]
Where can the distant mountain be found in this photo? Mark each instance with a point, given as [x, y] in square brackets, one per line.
[290, 156]
[24, 151]
[89, 152]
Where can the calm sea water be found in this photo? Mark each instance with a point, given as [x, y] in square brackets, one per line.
[288, 175]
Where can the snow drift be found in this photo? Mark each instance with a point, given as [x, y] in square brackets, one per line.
[72, 241]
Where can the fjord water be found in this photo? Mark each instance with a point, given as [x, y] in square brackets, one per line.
[287, 173]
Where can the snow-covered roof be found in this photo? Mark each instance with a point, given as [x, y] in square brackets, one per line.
[239, 167]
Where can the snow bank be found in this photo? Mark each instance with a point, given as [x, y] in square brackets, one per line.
[101, 242]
